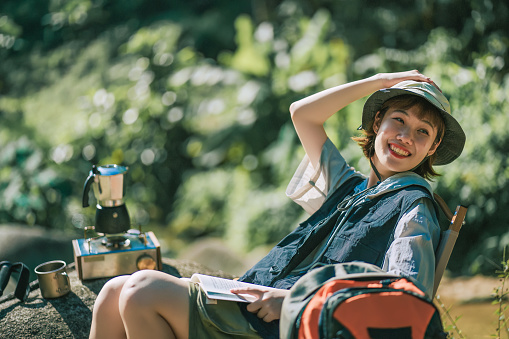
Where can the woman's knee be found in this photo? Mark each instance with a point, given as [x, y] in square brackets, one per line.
[140, 291]
[151, 290]
[111, 289]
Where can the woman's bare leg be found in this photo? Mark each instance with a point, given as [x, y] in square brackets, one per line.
[106, 320]
[154, 305]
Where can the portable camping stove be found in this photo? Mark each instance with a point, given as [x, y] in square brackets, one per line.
[116, 254]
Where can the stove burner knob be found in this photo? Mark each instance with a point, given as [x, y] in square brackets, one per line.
[145, 262]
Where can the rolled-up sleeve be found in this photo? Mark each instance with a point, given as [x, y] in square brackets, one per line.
[412, 253]
[309, 186]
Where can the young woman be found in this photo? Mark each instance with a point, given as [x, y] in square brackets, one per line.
[387, 218]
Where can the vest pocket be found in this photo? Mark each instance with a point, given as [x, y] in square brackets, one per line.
[286, 282]
[379, 213]
[345, 250]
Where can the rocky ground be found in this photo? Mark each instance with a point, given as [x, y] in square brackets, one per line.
[68, 316]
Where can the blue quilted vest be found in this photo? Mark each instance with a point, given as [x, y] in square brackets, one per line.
[365, 236]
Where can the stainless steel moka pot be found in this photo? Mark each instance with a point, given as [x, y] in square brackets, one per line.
[108, 184]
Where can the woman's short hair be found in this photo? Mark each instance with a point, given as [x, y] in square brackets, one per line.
[425, 110]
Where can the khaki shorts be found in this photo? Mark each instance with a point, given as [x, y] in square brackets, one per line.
[217, 320]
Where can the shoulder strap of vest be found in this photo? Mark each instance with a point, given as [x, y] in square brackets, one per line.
[428, 195]
[330, 202]
[423, 193]
[345, 190]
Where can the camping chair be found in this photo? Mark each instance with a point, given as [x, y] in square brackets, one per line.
[447, 239]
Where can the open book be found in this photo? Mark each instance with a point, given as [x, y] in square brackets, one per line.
[219, 288]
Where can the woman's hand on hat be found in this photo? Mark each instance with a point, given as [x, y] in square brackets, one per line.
[391, 79]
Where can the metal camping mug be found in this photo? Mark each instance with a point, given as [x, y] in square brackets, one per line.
[53, 279]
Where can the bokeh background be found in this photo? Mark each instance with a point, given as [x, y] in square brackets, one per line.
[193, 97]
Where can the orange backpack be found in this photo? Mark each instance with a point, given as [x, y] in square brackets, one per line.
[329, 302]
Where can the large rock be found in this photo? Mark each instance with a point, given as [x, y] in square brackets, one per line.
[33, 245]
[69, 316]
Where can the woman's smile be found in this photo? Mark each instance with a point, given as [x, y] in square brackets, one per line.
[398, 151]
[403, 141]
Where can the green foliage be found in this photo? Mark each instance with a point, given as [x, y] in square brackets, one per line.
[32, 189]
[450, 323]
[500, 299]
[500, 294]
[194, 98]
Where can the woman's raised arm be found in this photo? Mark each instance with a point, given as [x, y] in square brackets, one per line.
[309, 114]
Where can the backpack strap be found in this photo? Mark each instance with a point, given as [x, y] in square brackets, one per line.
[22, 273]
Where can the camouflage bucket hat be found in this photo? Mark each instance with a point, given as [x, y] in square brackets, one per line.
[454, 138]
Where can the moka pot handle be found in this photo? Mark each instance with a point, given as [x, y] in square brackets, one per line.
[88, 183]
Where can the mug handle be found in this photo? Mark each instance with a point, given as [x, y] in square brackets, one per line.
[67, 283]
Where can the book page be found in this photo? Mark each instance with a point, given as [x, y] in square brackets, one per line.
[219, 284]
[219, 288]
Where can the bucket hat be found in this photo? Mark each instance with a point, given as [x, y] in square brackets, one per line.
[454, 138]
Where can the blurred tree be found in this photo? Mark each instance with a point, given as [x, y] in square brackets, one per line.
[193, 96]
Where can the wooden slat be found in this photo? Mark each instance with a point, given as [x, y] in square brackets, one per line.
[458, 218]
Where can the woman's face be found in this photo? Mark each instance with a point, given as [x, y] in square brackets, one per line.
[402, 141]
